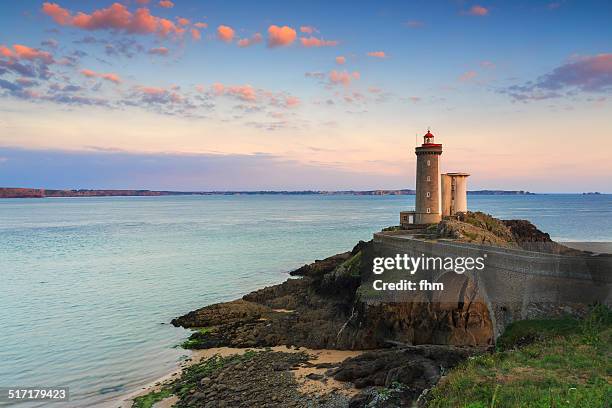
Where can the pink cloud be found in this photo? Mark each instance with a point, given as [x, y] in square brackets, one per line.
[195, 34]
[159, 51]
[280, 36]
[166, 4]
[316, 42]
[292, 101]
[225, 33]
[377, 54]
[21, 53]
[200, 25]
[114, 17]
[340, 60]
[183, 21]
[247, 93]
[307, 29]
[468, 76]
[343, 77]
[142, 2]
[158, 95]
[247, 42]
[6, 52]
[478, 11]
[487, 64]
[112, 77]
[30, 54]
[243, 92]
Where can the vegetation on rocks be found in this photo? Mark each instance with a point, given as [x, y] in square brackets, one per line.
[476, 227]
[565, 363]
[190, 378]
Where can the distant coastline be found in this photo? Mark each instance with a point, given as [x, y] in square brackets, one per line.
[10, 192]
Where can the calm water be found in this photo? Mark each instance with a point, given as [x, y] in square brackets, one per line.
[88, 285]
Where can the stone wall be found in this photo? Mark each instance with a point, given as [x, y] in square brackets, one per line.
[515, 284]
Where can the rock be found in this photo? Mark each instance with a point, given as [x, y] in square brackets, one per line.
[314, 376]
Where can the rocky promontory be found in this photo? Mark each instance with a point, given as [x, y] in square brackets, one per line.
[405, 346]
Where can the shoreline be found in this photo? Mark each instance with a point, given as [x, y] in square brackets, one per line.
[305, 384]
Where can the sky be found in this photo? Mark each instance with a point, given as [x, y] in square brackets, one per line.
[276, 95]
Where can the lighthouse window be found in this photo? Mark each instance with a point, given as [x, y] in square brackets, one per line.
[429, 162]
[428, 194]
[428, 210]
[428, 178]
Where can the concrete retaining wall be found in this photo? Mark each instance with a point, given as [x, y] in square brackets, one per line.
[515, 284]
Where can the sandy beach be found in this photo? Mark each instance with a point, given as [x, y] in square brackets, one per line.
[306, 384]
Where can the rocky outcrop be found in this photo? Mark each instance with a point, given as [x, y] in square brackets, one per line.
[323, 310]
[405, 373]
[529, 237]
[478, 228]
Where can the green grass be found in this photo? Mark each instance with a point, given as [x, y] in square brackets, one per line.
[563, 363]
[353, 265]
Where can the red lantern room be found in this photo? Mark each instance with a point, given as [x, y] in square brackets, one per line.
[428, 139]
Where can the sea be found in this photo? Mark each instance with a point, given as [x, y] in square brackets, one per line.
[88, 286]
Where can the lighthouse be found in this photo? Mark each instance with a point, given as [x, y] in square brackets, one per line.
[437, 195]
[428, 202]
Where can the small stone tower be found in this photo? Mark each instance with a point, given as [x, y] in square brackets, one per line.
[428, 203]
[454, 193]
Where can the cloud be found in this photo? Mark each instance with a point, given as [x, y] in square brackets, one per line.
[487, 64]
[25, 61]
[377, 54]
[414, 24]
[243, 92]
[252, 95]
[183, 21]
[478, 11]
[126, 47]
[195, 34]
[468, 76]
[201, 25]
[142, 2]
[316, 42]
[582, 74]
[23, 52]
[117, 169]
[340, 60]
[225, 33]
[166, 4]
[315, 74]
[280, 36]
[307, 29]
[343, 77]
[159, 51]
[51, 43]
[112, 77]
[292, 101]
[114, 17]
[247, 42]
